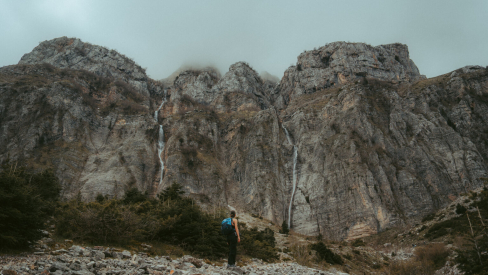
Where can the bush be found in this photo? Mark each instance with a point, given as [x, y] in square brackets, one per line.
[433, 254]
[284, 228]
[460, 209]
[26, 202]
[105, 222]
[132, 196]
[409, 268]
[427, 260]
[170, 219]
[258, 244]
[472, 260]
[325, 254]
[358, 242]
[428, 217]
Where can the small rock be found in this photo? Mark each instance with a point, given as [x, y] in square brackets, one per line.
[126, 254]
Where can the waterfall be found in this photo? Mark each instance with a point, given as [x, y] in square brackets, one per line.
[294, 181]
[160, 150]
[160, 138]
[160, 106]
[157, 112]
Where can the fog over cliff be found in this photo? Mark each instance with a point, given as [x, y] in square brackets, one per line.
[351, 141]
[164, 35]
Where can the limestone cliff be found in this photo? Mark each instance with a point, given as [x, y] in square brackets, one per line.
[350, 142]
[339, 63]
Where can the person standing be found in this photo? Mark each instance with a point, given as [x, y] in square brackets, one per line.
[232, 240]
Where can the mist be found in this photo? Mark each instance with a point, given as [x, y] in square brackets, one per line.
[269, 35]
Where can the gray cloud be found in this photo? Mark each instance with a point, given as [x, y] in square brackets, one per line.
[162, 35]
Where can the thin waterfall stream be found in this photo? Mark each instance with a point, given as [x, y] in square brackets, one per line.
[294, 181]
[160, 138]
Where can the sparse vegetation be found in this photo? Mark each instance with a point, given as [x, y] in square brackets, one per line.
[325, 254]
[258, 244]
[428, 217]
[27, 200]
[170, 219]
[427, 259]
[358, 242]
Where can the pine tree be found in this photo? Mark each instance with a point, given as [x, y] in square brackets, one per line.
[284, 228]
[26, 201]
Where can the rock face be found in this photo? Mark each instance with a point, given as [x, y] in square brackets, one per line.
[241, 87]
[72, 53]
[380, 155]
[197, 84]
[340, 62]
[96, 133]
[376, 143]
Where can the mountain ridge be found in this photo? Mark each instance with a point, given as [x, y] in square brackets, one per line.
[377, 144]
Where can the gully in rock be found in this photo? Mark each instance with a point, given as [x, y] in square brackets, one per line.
[160, 139]
[294, 182]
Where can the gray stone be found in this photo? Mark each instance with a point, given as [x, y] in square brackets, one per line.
[126, 254]
[98, 255]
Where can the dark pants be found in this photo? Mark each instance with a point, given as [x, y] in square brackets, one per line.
[232, 240]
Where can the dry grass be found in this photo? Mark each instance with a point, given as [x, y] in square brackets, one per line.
[302, 254]
[439, 81]
[427, 260]
[314, 101]
[409, 268]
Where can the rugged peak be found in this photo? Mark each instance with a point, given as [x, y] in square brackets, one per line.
[468, 69]
[212, 72]
[240, 78]
[243, 82]
[196, 83]
[348, 61]
[72, 53]
[341, 62]
[242, 66]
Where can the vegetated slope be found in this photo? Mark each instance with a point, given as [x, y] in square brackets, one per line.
[377, 144]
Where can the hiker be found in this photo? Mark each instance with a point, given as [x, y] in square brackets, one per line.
[232, 239]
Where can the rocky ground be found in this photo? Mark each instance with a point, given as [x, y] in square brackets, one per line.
[102, 260]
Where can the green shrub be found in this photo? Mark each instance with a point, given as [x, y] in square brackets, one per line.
[284, 228]
[170, 219]
[428, 217]
[460, 209]
[323, 253]
[472, 260]
[185, 224]
[358, 242]
[451, 226]
[133, 195]
[106, 222]
[258, 244]
[26, 202]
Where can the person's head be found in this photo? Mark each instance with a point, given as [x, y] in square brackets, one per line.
[232, 214]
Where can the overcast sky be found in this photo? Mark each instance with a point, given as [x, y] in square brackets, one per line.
[164, 35]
